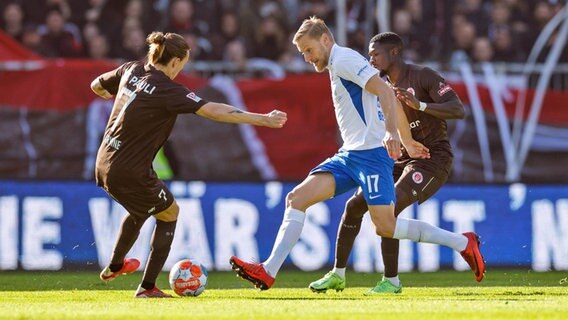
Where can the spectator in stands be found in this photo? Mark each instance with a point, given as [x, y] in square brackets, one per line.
[357, 40]
[482, 50]
[463, 37]
[355, 16]
[133, 44]
[500, 19]
[270, 39]
[31, 39]
[429, 27]
[402, 25]
[505, 47]
[520, 15]
[236, 53]
[36, 10]
[62, 6]
[229, 30]
[207, 20]
[90, 30]
[543, 12]
[98, 47]
[200, 47]
[134, 10]
[292, 60]
[109, 17]
[181, 18]
[93, 13]
[56, 41]
[423, 16]
[318, 8]
[143, 12]
[13, 20]
[252, 14]
[475, 12]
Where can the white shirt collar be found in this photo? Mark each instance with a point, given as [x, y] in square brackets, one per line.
[331, 53]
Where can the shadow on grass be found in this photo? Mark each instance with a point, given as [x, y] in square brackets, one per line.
[73, 280]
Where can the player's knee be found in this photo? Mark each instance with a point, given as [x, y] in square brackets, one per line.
[170, 214]
[355, 208]
[384, 222]
[294, 200]
[384, 231]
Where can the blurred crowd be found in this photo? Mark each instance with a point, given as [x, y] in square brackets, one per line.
[235, 30]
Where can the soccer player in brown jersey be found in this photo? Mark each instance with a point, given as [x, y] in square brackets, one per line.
[428, 101]
[145, 109]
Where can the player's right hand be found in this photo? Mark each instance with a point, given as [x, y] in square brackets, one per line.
[407, 98]
[391, 142]
[276, 119]
[417, 150]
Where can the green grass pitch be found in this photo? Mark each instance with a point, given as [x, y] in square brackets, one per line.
[448, 295]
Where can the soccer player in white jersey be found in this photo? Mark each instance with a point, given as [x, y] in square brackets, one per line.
[370, 143]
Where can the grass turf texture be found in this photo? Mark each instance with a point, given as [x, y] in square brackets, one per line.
[504, 294]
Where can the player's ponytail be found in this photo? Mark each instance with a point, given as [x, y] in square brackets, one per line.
[164, 47]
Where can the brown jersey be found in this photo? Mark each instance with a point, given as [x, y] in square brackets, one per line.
[428, 86]
[145, 110]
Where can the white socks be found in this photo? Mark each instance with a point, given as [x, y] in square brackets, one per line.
[419, 231]
[288, 235]
[394, 280]
[339, 271]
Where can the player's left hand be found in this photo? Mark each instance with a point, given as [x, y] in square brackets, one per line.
[407, 98]
[417, 150]
[392, 144]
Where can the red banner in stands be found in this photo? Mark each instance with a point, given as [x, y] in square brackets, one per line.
[63, 86]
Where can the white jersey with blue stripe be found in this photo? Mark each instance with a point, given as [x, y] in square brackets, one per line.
[358, 113]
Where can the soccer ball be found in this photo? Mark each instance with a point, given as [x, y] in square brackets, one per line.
[188, 278]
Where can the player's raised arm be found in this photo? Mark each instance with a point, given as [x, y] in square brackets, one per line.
[226, 113]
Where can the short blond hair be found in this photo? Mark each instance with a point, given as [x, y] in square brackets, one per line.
[313, 27]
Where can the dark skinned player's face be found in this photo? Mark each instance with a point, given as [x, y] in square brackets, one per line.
[380, 56]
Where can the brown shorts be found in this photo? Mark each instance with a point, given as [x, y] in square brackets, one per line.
[420, 178]
[144, 202]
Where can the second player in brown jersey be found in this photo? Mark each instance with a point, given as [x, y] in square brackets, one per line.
[428, 101]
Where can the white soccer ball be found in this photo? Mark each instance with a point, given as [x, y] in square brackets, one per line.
[188, 278]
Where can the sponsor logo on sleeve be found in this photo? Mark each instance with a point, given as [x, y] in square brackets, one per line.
[444, 88]
[193, 97]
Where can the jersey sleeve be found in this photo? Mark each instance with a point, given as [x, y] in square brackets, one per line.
[355, 68]
[110, 81]
[438, 88]
[184, 100]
